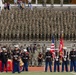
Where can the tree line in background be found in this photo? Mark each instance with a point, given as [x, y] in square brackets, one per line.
[40, 1]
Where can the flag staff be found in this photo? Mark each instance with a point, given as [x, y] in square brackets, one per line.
[54, 38]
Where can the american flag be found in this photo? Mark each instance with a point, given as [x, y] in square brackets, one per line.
[53, 46]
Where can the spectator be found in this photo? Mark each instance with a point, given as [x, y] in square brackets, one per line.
[44, 50]
[34, 48]
[28, 48]
[29, 3]
[40, 58]
[8, 6]
[24, 2]
[5, 6]
[23, 6]
[39, 48]
[19, 5]
[15, 1]
[44, 2]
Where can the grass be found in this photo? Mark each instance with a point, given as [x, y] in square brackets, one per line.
[40, 73]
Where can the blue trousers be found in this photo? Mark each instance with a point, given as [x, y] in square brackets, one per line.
[73, 64]
[46, 66]
[26, 66]
[65, 63]
[4, 64]
[16, 67]
[56, 65]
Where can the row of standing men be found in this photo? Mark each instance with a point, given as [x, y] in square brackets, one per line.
[64, 57]
[18, 55]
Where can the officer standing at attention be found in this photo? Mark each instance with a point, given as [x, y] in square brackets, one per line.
[16, 59]
[57, 61]
[65, 60]
[73, 60]
[25, 59]
[4, 58]
[48, 60]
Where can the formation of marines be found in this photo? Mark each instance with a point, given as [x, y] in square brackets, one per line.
[63, 60]
[19, 57]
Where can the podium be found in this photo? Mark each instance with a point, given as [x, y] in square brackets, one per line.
[9, 65]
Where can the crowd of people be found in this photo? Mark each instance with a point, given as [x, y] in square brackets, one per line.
[20, 3]
[22, 55]
[7, 6]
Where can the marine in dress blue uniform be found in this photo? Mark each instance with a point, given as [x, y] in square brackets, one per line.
[0, 53]
[56, 62]
[73, 60]
[65, 60]
[16, 59]
[4, 59]
[48, 60]
[25, 59]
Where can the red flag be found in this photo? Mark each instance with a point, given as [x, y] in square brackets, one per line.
[61, 46]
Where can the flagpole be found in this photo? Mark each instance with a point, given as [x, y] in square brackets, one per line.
[54, 38]
[62, 34]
